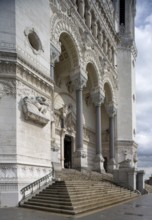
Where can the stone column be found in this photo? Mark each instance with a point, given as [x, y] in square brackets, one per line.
[94, 28]
[98, 98]
[88, 18]
[81, 7]
[79, 80]
[105, 45]
[100, 38]
[111, 112]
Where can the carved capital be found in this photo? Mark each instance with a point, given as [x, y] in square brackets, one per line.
[97, 96]
[111, 109]
[79, 79]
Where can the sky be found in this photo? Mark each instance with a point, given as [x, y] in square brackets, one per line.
[143, 35]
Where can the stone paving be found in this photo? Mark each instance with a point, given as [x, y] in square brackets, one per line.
[139, 209]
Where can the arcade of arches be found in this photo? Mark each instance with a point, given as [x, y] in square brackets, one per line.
[84, 126]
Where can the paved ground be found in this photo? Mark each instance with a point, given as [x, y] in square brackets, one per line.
[140, 209]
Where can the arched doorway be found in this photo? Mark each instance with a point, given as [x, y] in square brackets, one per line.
[67, 152]
[64, 99]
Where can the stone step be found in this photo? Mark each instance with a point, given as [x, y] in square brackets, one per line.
[79, 188]
[82, 197]
[79, 202]
[78, 194]
[50, 205]
[76, 209]
[49, 209]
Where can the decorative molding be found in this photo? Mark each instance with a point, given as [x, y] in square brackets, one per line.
[31, 78]
[122, 143]
[11, 172]
[35, 109]
[7, 88]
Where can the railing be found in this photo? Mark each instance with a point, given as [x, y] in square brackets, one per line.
[37, 185]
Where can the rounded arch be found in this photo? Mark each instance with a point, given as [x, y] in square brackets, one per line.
[108, 93]
[65, 26]
[92, 75]
[69, 46]
[91, 59]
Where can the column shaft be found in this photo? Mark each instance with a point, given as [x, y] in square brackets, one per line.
[79, 121]
[98, 130]
[111, 138]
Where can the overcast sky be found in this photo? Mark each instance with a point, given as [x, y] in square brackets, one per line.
[143, 33]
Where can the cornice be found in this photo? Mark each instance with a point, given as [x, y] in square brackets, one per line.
[128, 44]
[126, 143]
[16, 71]
[13, 57]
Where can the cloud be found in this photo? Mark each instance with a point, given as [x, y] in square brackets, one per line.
[143, 32]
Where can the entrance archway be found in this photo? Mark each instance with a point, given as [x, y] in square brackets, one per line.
[67, 152]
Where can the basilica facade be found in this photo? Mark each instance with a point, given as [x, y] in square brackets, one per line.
[67, 89]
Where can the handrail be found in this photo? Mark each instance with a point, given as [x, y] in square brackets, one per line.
[36, 185]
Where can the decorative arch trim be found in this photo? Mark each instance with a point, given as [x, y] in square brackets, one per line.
[62, 24]
[107, 80]
[91, 58]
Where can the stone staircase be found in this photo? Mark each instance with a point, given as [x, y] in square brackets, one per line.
[75, 193]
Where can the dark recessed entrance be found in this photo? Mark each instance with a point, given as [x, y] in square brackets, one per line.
[105, 164]
[67, 151]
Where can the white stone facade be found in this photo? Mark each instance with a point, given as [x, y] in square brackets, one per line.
[67, 89]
